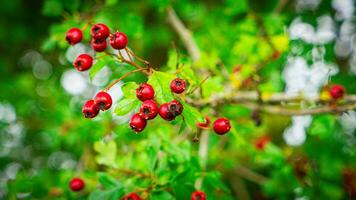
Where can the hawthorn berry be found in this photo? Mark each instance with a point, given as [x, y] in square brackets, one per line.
[100, 31]
[337, 91]
[137, 122]
[76, 184]
[149, 109]
[132, 196]
[74, 36]
[103, 100]
[99, 45]
[261, 142]
[118, 40]
[83, 62]
[90, 109]
[198, 195]
[145, 92]
[165, 112]
[204, 125]
[221, 126]
[175, 107]
[177, 85]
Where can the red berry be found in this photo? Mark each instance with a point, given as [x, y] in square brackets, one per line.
[137, 122]
[261, 142]
[118, 40]
[221, 126]
[145, 92]
[74, 35]
[76, 184]
[198, 195]
[132, 196]
[100, 31]
[103, 100]
[149, 109]
[165, 113]
[337, 91]
[99, 45]
[175, 107]
[83, 62]
[178, 85]
[90, 110]
[204, 125]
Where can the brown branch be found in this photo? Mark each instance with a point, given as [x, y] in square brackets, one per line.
[250, 175]
[183, 33]
[122, 77]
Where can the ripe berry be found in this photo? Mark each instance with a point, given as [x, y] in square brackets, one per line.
[198, 195]
[175, 107]
[337, 91]
[76, 184]
[204, 125]
[221, 126]
[145, 92]
[178, 85]
[83, 62]
[149, 109]
[100, 31]
[103, 100]
[132, 196]
[90, 110]
[165, 113]
[137, 122]
[118, 40]
[74, 35]
[99, 45]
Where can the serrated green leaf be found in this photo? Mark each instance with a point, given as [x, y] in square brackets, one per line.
[212, 85]
[108, 182]
[106, 153]
[129, 90]
[111, 194]
[191, 116]
[187, 73]
[124, 106]
[98, 65]
[160, 81]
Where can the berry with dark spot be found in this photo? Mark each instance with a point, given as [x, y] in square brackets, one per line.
[145, 92]
[103, 100]
[100, 31]
[177, 85]
[198, 195]
[149, 109]
[83, 62]
[90, 109]
[99, 45]
[118, 40]
[74, 36]
[137, 122]
[132, 196]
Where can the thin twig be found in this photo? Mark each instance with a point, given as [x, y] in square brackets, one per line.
[198, 86]
[122, 77]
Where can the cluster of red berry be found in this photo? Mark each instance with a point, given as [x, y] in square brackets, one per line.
[78, 184]
[99, 33]
[102, 101]
[149, 108]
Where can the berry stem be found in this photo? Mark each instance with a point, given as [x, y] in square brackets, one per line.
[198, 86]
[122, 77]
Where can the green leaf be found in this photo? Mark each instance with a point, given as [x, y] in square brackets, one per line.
[125, 105]
[108, 182]
[129, 90]
[52, 8]
[99, 65]
[191, 116]
[111, 194]
[322, 126]
[160, 81]
[187, 73]
[212, 85]
[106, 153]
[111, 2]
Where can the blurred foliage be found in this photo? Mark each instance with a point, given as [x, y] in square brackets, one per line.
[162, 162]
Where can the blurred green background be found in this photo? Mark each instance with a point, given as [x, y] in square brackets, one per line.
[45, 141]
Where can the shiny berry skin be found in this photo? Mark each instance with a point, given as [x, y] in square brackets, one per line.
[83, 62]
[90, 109]
[76, 184]
[137, 122]
[205, 124]
[149, 109]
[98, 45]
[178, 85]
[103, 100]
[175, 107]
[145, 92]
[118, 40]
[337, 91]
[165, 113]
[198, 195]
[74, 36]
[221, 126]
[132, 196]
[100, 31]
